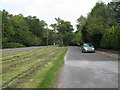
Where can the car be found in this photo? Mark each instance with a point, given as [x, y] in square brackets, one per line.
[87, 47]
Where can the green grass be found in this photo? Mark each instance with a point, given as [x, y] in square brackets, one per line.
[29, 68]
[50, 77]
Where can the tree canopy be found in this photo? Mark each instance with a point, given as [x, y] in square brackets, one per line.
[100, 27]
[64, 30]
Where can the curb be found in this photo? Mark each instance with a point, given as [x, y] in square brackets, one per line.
[100, 52]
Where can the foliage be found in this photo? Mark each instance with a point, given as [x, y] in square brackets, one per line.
[64, 30]
[80, 22]
[52, 37]
[12, 45]
[79, 37]
[28, 31]
[95, 28]
[36, 26]
[8, 31]
[99, 28]
[111, 38]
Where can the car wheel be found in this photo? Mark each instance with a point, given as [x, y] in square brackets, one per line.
[82, 51]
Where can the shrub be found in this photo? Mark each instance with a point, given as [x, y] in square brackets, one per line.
[61, 44]
[12, 45]
[110, 38]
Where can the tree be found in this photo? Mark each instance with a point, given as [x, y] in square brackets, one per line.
[80, 22]
[22, 33]
[98, 24]
[8, 27]
[36, 26]
[64, 29]
[52, 37]
[78, 36]
[110, 39]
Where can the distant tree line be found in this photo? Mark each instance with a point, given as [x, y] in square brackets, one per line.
[64, 29]
[101, 27]
[20, 31]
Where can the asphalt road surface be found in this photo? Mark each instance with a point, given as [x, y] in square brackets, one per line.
[18, 49]
[88, 70]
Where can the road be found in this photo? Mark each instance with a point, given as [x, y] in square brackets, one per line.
[88, 70]
[18, 49]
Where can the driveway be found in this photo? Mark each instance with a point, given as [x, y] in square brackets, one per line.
[88, 70]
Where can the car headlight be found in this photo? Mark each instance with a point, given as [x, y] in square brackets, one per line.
[93, 48]
[85, 48]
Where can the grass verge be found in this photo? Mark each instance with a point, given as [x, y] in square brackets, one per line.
[51, 75]
[29, 68]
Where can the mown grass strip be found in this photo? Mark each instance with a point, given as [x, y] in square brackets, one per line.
[37, 76]
[16, 75]
[21, 70]
[19, 61]
[8, 56]
[50, 77]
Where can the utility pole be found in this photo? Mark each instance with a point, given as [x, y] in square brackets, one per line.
[47, 35]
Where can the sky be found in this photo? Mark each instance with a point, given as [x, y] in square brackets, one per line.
[48, 10]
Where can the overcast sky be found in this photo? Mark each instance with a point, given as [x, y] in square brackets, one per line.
[47, 10]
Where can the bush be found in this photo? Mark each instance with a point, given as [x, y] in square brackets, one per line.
[12, 45]
[110, 38]
[36, 41]
[60, 44]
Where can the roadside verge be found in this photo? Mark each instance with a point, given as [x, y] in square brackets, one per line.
[109, 53]
[51, 75]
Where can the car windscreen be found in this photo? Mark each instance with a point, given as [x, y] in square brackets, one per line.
[88, 45]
